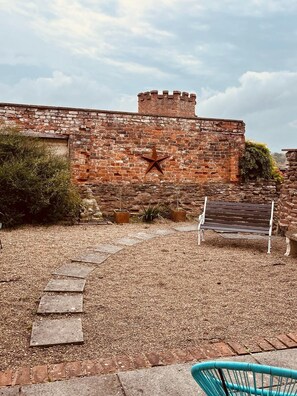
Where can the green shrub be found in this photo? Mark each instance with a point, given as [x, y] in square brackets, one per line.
[150, 213]
[35, 185]
[257, 163]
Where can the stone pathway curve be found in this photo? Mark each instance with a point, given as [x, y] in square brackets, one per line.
[65, 295]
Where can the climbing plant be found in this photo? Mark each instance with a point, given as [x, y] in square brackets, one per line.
[257, 163]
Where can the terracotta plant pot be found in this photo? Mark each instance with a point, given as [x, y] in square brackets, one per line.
[178, 215]
[121, 217]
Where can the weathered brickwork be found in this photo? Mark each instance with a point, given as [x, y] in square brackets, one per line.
[107, 146]
[190, 195]
[288, 198]
[105, 150]
[179, 104]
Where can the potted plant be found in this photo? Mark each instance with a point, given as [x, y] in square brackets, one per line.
[178, 214]
[121, 215]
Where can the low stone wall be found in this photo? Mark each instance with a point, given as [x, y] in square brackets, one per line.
[190, 196]
[288, 196]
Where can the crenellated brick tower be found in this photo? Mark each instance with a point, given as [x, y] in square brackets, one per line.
[177, 104]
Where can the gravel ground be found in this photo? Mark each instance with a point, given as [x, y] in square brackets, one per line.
[165, 293]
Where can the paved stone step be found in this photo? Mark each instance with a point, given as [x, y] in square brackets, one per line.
[142, 235]
[61, 304]
[127, 241]
[48, 332]
[192, 227]
[74, 270]
[92, 258]
[163, 232]
[108, 248]
[65, 285]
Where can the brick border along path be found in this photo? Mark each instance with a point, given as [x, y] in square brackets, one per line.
[55, 372]
[83, 368]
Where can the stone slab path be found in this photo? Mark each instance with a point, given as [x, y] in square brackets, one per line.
[186, 228]
[75, 270]
[65, 285]
[106, 248]
[48, 332]
[58, 331]
[127, 241]
[61, 304]
[142, 235]
[92, 258]
[163, 232]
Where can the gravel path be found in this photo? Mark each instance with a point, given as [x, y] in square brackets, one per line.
[163, 293]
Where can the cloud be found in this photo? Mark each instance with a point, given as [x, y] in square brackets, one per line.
[253, 8]
[266, 101]
[258, 91]
[293, 124]
[62, 89]
[79, 24]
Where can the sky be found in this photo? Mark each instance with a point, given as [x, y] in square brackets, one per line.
[238, 56]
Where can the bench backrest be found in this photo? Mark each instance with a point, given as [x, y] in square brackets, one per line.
[238, 214]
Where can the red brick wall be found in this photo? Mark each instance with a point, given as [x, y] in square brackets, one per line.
[105, 150]
[177, 104]
[107, 146]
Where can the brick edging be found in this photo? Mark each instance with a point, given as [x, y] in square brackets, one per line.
[83, 368]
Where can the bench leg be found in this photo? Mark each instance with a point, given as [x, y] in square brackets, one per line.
[200, 237]
[269, 245]
[288, 250]
[291, 247]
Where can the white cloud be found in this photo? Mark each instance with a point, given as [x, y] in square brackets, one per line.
[293, 124]
[77, 25]
[247, 7]
[265, 101]
[61, 89]
[256, 92]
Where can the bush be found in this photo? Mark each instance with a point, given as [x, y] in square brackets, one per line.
[257, 163]
[35, 185]
[150, 213]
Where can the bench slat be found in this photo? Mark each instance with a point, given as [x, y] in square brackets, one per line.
[235, 228]
[228, 215]
[238, 223]
[239, 205]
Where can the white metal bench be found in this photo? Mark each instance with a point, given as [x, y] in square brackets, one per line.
[236, 217]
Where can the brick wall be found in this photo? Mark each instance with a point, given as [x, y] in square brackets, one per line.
[105, 150]
[288, 197]
[178, 104]
[107, 146]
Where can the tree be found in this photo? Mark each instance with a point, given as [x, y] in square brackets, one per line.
[257, 163]
[35, 185]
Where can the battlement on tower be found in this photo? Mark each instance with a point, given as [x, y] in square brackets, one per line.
[177, 104]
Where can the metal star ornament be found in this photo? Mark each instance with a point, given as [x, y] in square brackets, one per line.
[154, 161]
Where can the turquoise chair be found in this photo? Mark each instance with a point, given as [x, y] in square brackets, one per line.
[222, 378]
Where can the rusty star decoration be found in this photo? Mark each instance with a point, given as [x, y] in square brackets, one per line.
[154, 161]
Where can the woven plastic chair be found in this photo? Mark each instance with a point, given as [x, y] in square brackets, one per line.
[221, 378]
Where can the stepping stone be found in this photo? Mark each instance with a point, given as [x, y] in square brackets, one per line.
[192, 227]
[127, 241]
[163, 232]
[65, 285]
[61, 304]
[93, 258]
[106, 248]
[75, 270]
[56, 332]
[142, 235]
